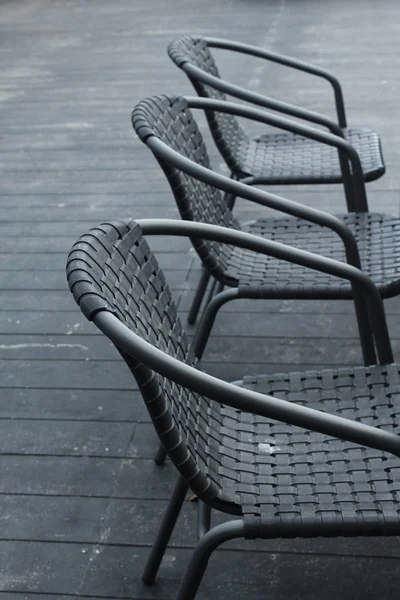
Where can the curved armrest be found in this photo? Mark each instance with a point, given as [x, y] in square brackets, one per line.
[236, 397]
[264, 101]
[241, 190]
[361, 281]
[288, 62]
[297, 128]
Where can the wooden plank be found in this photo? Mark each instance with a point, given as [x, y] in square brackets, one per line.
[85, 476]
[80, 405]
[74, 438]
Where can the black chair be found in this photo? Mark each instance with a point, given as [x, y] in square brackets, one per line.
[283, 158]
[166, 125]
[274, 451]
[274, 158]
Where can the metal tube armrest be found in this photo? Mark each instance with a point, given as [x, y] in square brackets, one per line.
[288, 62]
[264, 101]
[238, 398]
[362, 283]
[241, 190]
[298, 128]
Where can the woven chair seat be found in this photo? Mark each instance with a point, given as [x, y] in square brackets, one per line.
[291, 482]
[377, 235]
[285, 157]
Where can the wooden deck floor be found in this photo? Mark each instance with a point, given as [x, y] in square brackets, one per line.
[80, 498]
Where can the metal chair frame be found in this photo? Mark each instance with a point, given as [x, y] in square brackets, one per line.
[170, 158]
[179, 51]
[145, 361]
[200, 79]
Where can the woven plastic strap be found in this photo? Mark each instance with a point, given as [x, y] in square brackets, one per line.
[226, 130]
[300, 483]
[378, 240]
[280, 158]
[170, 119]
[112, 268]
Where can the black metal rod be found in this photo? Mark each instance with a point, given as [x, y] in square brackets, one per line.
[289, 62]
[165, 531]
[364, 329]
[199, 295]
[201, 554]
[160, 455]
[194, 73]
[348, 184]
[203, 519]
[205, 326]
[211, 292]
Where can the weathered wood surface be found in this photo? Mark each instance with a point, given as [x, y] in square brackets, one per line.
[80, 497]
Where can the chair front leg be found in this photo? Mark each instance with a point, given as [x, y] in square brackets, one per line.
[198, 297]
[348, 184]
[165, 531]
[211, 293]
[203, 519]
[200, 557]
[364, 329]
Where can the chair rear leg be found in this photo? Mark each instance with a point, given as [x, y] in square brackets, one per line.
[198, 297]
[230, 200]
[215, 289]
[347, 183]
[207, 320]
[198, 563]
[219, 288]
[160, 456]
[165, 531]
[211, 293]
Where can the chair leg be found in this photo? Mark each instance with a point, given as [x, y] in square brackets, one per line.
[207, 320]
[203, 519]
[347, 183]
[364, 329]
[211, 293]
[160, 456]
[219, 288]
[198, 563]
[215, 289]
[382, 337]
[230, 200]
[198, 297]
[165, 531]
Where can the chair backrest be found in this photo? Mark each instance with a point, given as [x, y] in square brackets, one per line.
[112, 268]
[225, 129]
[170, 119]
